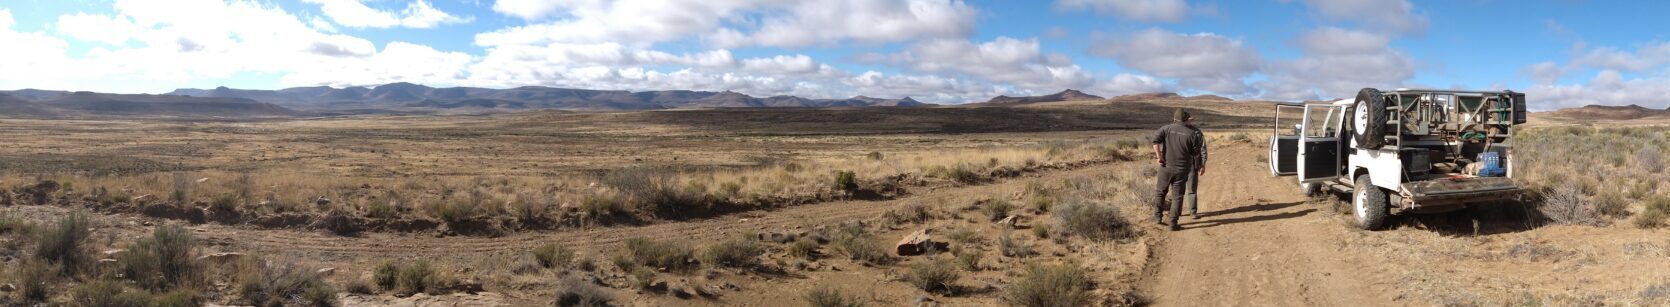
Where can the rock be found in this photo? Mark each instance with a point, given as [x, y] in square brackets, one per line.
[112, 253]
[925, 301]
[322, 201]
[221, 258]
[142, 198]
[657, 286]
[8, 287]
[107, 261]
[916, 243]
[467, 286]
[202, 180]
[1007, 222]
[326, 272]
[148, 223]
[730, 286]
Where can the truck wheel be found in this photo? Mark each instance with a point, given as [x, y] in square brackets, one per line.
[1368, 204]
[1369, 119]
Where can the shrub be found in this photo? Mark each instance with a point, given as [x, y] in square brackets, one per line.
[864, 249]
[969, 258]
[529, 208]
[1042, 231]
[733, 253]
[107, 293]
[456, 210]
[804, 248]
[279, 284]
[1567, 204]
[415, 278]
[35, 279]
[553, 255]
[13, 224]
[386, 275]
[962, 236]
[914, 213]
[874, 155]
[1042, 203]
[162, 262]
[1091, 221]
[65, 244]
[652, 191]
[382, 209]
[668, 255]
[225, 203]
[596, 206]
[175, 298]
[643, 276]
[359, 286]
[933, 276]
[996, 209]
[846, 181]
[1609, 205]
[1656, 211]
[1050, 286]
[1010, 247]
[574, 291]
[830, 297]
[1648, 159]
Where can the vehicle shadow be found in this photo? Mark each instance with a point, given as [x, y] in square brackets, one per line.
[1503, 217]
[1255, 207]
[1250, 219]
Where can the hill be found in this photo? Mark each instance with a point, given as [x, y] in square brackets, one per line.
[1066, 95]
[18, 107]
[84, 104]
[402, 95]
[1599, 112]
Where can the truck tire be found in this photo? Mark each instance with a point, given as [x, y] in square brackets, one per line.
[1368, 204]
[1369, 120]
[1309, 188]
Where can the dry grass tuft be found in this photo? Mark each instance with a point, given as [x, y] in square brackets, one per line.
[733, 253]
[553, 255]
[661, 255]
[934, 276]
[1092, 221]
[830, 297]
[1063, 285]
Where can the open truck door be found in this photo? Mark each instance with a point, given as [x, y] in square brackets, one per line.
[1284, 140]
[1319, 142]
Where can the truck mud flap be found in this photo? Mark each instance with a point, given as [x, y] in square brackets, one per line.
[1453, 191]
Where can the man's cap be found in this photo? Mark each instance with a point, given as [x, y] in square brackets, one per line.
[1181, 115]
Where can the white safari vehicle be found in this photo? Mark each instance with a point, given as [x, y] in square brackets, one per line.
[1408, 150]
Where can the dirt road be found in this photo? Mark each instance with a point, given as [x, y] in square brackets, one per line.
[1260, 243]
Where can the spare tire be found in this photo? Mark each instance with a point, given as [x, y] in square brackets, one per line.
[1369, 119]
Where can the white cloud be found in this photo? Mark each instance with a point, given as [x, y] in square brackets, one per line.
[1337, 63]
[1202, 61]
[355, 14]
[1137, 10]
[1395, 16]
[1608, 87]
[1645, 58]
[733, 23]
[190, 42]
[100, 28]
[1004, 60]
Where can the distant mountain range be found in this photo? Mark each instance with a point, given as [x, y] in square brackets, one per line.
[48, 104]
[413, 98]
[407, 95]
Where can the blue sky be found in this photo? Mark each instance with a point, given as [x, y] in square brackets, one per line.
[1564, 53]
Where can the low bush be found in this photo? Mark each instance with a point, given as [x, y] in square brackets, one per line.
[934, 276]
[1567, 203]
[805, 248]
[598, 206]
[456, 210]
[64, 244]
[996, 209]
[830, 297]
[1050, 286]
[1042, 203]
[108, 293]
[969, 258]
[529, 208]
[1654, 214]
[846, 181]
[863, 248]
[36, 279]
[1609, 204]
[416, 278]
[962, 236]
[386, 276]
[262, 283]
[162, 262]
[1091, 221]
[553, 255]
[1011, 247]
[667, 255]
[225, 203]
[175, 298]
[733, 253]
[381, 209]
[574, 291]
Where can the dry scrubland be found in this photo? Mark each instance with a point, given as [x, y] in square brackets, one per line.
[779, 208]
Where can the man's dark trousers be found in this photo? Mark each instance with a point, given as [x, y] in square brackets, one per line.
[1173, 178]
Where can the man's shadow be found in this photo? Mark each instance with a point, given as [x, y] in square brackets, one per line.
[1249, 219]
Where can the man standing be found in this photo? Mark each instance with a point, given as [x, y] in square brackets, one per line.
[1180, 149]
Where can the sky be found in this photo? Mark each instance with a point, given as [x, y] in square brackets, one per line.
[1562, 53]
